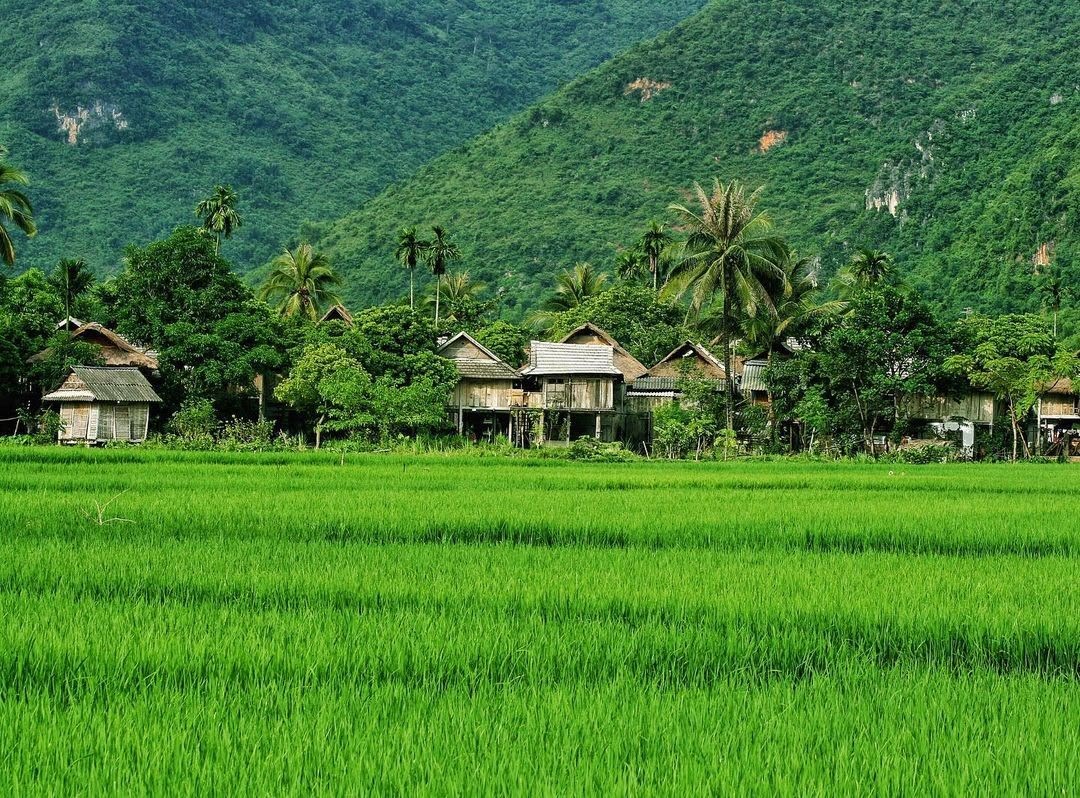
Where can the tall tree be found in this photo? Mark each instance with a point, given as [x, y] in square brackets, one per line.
[440, 251]
[729, 255]
[410, 251]
[653, 243]
[71, 278]
[15, 207]
[628, 263]
[1054, 290]
[867, 270]
[462, 299]
[572, 288]
[301, 282]
[218, 213]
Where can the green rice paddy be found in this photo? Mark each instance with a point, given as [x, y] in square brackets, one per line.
[292, 624]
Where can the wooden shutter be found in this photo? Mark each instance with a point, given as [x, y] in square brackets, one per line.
[139, 416]
[122, 422]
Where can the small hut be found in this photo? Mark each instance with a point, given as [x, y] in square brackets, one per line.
[487, 391]
[104, 403]
[338, 313]
[115, 349]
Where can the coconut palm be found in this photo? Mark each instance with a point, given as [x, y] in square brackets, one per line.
[219, 215]
[572, 288]
[71, 278]
[410, 251]
[301, 282]
[461, 298]
[653, 243]
[868, 269]
[15, 207]
[628, 264]
[439, 252]
[1054, 291]
[730, 256]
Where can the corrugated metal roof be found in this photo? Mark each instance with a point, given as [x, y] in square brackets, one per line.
[555, 359]
[753, 376]
[655, 384]
[107, 384]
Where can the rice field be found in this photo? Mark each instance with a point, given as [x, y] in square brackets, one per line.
[214, 624]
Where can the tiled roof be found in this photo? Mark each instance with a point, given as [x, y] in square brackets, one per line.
[484, 369]
[556, 359]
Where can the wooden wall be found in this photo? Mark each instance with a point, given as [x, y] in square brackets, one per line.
[486, 394]
[93, 421]
[579, 393]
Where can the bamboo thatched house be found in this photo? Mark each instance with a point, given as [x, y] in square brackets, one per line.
[487, 391]
[104, 403]
[115, 349]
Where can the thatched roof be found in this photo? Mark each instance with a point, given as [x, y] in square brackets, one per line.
[668, 366]
[474, 360]
[116, 350]
[589, 334]
[104, 384]
[547, 359]
[338, 313]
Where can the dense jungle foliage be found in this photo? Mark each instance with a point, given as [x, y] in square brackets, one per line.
[964, 117]
[125, 113]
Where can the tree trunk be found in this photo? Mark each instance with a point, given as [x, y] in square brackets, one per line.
[729, 377]
[1015, 433]
[655, 271]
[318, 431]
[438, 285]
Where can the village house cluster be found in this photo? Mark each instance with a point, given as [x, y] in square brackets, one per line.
[584, 385]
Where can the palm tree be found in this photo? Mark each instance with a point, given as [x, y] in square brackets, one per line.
[459, 292]
[71, 278]
[1055, 291]
[868, 269]
[730, 254]
[301, 282]
[410, 251]
[440, 251]
[628, 263]
[219, 215]
[14, 206]
[655, 239]
[572, 288]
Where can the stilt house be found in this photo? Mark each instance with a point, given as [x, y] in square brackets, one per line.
[488, 391]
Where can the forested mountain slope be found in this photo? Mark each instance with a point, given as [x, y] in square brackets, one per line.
[125, 112]
[946, 133]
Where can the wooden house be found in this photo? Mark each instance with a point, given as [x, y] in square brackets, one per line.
[1058, 419]
[661, 385]
[115, 349]
[104, 403]
[487, 391]
[576, 387]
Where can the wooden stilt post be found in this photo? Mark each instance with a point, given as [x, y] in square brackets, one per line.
[597, 426]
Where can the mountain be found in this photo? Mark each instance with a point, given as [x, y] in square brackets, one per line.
[126, 112]
[945, 133]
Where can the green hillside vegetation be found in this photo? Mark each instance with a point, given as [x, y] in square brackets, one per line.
[965, 116]
[306, 109]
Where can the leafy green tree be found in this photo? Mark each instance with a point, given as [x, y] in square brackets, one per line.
[888, 349]
[409, 252]
[647, 325]
[326, 383]
[72, 279]
[301, 283]
[506, 340]
[653, 243]
[387, 339]
[1011, 356]
[181, 298]
[729, 255]
[440, 251]
[629, 263]
[219, 215]
[29, 310]
[15, 207]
